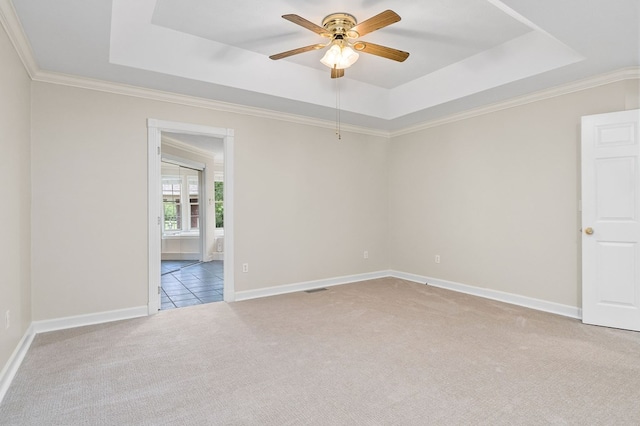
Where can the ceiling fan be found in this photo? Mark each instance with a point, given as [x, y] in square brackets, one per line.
[343, 31]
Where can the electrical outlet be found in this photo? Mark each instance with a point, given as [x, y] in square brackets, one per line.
[437, 258]
[245, 267]
[7, 319]
[366, 254]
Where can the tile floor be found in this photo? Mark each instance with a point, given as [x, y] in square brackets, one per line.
[175, 265]
[191, 285]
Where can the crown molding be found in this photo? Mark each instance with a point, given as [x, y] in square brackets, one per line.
[134, 91]
[11, 23]
[140, 92]
[575, 86]
[13, 28]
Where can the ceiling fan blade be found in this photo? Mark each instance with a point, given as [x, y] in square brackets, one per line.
[383, 51]
[306, 24]
[296, 51]
[381, 20]
[337, 73]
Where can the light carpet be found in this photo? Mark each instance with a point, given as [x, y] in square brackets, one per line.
[378, 352]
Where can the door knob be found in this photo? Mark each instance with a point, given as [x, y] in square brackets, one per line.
[588, 231]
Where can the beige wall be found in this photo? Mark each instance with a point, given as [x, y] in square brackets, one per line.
[306, 204]
[496, 196]
[15, 279]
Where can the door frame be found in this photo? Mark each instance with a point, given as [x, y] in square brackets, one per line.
[154, 134]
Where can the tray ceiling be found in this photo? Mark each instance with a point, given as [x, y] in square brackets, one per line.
[464, 54]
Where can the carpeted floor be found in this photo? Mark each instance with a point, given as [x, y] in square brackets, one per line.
[378, 352]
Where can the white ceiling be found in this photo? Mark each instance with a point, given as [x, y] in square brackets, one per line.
[464, 53]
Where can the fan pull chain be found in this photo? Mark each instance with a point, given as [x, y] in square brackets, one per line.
[338, 129]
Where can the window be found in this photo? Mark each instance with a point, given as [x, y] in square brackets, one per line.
[180, 201]
[194, 207]
[219, 200]
[171, 189]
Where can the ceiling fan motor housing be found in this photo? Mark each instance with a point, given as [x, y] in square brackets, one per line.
[340, 24]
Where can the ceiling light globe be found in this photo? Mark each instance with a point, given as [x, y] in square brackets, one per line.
[339, 57]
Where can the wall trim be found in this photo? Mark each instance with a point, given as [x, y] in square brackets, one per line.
[9, 20]
[17, 357]
[630, 73]
[8, 372]
[195, 256]
[89, 319]
[308, 285]
[15, 360]
[192, 101]
[134, 91]
[500, 296]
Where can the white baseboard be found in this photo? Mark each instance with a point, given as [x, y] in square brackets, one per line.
[514, 299]
[180, 256]
[307, 285]
[217, 256]
[15, 360]
[10, 369]
[89, 319]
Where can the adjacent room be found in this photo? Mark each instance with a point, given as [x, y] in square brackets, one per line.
[318, 213]
[192, 235]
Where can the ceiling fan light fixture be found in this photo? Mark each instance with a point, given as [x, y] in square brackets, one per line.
[344, 31]
[339, 56]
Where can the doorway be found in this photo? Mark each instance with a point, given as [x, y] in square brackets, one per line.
[192, 270]
[178, 144]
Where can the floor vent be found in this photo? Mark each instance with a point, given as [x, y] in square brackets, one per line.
[315, 290]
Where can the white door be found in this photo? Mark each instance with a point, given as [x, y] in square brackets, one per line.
[611, 220]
